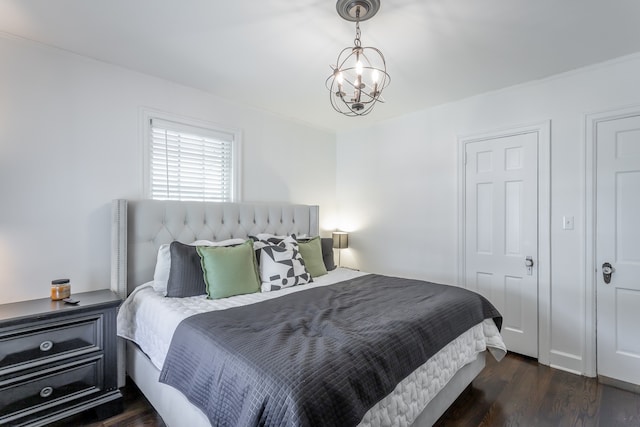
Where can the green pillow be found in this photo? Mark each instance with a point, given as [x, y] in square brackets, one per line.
[311, 252]
[229, 270]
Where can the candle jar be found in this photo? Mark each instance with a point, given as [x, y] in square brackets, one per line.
[60, 289]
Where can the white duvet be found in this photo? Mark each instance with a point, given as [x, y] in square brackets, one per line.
[149, 319]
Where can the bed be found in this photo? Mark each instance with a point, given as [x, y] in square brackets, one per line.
[139, 228]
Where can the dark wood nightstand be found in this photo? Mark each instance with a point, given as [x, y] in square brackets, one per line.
[58, 359]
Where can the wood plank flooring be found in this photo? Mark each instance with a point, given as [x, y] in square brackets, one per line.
[520, 392]
[515, 392]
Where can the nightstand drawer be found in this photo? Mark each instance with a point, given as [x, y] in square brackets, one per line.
[31, 393]
[40, 344]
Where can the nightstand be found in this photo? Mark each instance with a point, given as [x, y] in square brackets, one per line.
[58, 359]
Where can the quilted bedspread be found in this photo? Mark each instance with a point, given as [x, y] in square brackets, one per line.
[319, 357]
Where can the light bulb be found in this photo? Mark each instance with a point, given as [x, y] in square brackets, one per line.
[375, 76]
[359, 68]
[339, 78]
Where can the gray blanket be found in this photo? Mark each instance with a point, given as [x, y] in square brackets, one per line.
[322, 357]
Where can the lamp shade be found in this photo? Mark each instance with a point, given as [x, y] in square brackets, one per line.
[340, 240]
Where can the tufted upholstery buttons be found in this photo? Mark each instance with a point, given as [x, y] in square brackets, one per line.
[153, 223]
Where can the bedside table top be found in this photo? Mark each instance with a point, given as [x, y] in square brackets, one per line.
[46, 307]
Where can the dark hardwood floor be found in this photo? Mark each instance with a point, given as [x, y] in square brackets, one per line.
[515, 392]
[520, 392]
[137, 412]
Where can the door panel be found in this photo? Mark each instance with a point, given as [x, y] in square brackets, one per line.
[501, 193]
[618, 243]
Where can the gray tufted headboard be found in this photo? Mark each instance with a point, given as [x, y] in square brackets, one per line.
[139, 227]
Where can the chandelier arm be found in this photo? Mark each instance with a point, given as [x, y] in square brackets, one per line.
[344, 60]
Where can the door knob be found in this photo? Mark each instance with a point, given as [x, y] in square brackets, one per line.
[528, 262]
[607, 271]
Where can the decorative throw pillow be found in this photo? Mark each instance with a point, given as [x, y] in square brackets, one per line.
[229, 270]
[268, 237]
[185, 275]
[311, 252]
[274, 238]
[327, 253]
[281, 265]
[262, 240]
[163, 262]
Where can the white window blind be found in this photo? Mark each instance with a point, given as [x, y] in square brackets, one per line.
[190, 162]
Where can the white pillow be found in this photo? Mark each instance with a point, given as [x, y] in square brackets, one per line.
[163, 262]
[161, 273]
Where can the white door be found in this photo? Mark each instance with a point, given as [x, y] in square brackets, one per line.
[501, 232]
[618, 243]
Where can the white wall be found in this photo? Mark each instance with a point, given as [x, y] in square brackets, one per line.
[70, 142]
[397, 185]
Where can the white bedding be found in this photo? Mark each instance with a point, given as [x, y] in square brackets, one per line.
[149, 319]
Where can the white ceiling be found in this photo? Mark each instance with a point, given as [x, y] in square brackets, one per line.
[275, 54]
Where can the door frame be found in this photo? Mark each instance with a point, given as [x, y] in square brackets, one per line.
[543, 131]
[590, 265]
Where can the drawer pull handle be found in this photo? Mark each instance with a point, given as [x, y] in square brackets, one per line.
[46, 392]
[46, 346]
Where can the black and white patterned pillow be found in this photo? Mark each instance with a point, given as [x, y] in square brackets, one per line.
[281, 264]
[264, 239]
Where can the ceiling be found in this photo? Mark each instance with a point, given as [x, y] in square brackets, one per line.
[276, 54]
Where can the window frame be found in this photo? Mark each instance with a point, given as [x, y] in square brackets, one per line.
[146, 115]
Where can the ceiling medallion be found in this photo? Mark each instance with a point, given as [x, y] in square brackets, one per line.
[360, 74]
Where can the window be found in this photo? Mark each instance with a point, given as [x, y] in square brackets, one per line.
[188, 161]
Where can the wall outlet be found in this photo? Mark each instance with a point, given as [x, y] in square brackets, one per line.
[567, 223]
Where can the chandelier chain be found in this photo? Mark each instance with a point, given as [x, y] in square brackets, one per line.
[356, 41]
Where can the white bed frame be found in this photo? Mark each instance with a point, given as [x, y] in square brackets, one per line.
[140, 227]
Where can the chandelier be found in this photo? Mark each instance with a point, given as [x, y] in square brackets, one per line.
[360, 74]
